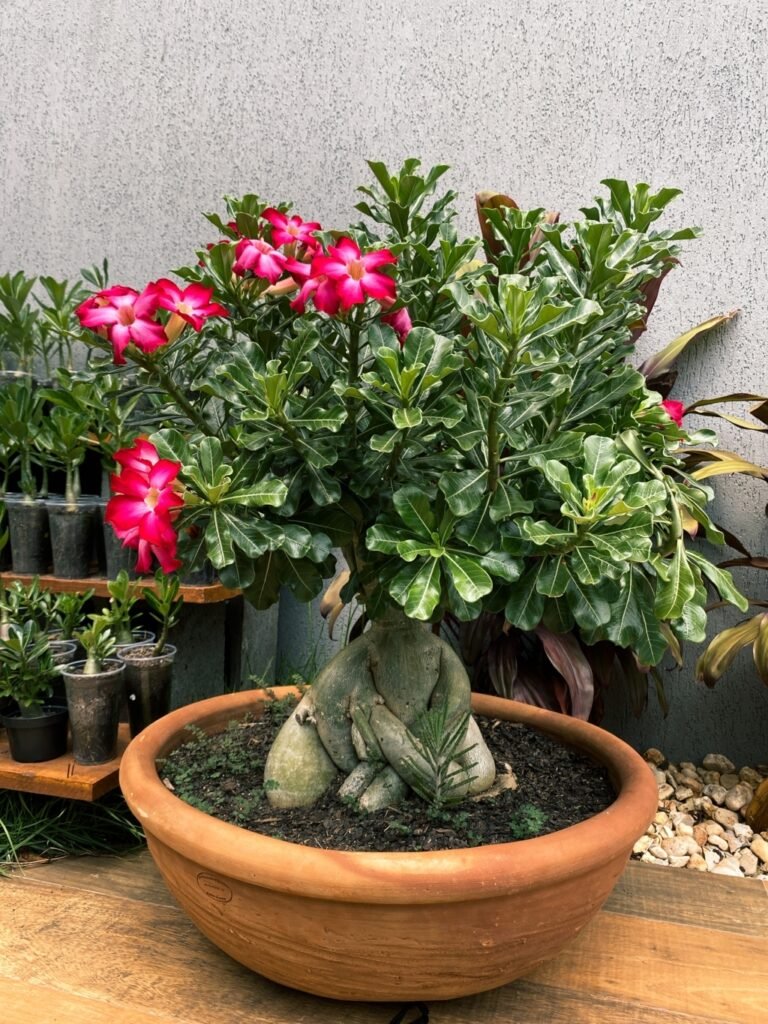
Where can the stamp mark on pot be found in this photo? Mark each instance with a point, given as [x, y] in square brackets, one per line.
[213, 887]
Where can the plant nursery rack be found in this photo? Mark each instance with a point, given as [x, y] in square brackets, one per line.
[63, 776]
[209, 593]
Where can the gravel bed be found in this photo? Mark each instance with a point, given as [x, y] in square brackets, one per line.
[700, 822]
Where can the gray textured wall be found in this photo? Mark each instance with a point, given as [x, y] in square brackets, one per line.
[121, 120]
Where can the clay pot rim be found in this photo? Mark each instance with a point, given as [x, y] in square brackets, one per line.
[406, 877]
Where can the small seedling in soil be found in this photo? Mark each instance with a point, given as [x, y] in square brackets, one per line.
[164, 606]
[527, 821]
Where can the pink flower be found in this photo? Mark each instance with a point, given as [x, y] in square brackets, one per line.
[144, 505]
[354, 274]
[127, 316]
[260, 258]
[318, 287]
[286, 230]
[193, 304]
[400, 322]
[675, 410]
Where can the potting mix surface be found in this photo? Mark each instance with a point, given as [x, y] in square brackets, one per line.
[541, 787]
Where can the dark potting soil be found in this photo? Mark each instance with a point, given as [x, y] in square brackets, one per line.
[222, 775]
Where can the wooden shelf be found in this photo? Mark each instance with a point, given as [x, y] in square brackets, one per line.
[63, 776]
[210, 593]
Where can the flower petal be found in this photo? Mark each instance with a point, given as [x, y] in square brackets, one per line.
[378, 286]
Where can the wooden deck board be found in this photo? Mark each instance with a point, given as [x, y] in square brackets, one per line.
[99, 939]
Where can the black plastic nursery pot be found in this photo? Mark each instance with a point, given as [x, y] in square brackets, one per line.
[5, 550]
[29, 534]
[94, 710]
[117, 557]
[38, 737]
[63, 652]
[71, 528]
[148, 681]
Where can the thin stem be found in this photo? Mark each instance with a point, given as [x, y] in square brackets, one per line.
[493, 419]
[178, 396]
[161, 640]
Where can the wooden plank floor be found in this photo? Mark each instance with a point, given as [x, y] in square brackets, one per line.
[100, 941]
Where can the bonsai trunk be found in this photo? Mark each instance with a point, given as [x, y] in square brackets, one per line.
[357, 719]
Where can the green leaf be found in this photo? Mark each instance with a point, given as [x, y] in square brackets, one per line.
[302, 577]
[324, 419]
[477, 529]
[210, 457]
[554, 576]
[385, 442]
[464, 490]
[384, 538]
[417, 588]
[721, 579]
[563, 265]
[507, 501]
[414, 508]
[470, 579]
[624, 541]
[172, 445]
[599, 457]
[633, 622]
[322, 487]
[405, 418]
[267, 491]
[240, 574]
[243, 535]
[578, 313]
[264, 590]
[218, 539]
[591, 606]
[525, 605]
[502, 565]
[673, 593]
[604, 393]
[560, 480]
[543, 534]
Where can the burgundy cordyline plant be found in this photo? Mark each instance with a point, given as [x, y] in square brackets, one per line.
[461, 418]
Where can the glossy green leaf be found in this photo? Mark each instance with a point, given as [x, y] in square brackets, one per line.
[417, 588]
[468, 576]
[464, 491]
[633, 622]
[673, 593]
[414, 508]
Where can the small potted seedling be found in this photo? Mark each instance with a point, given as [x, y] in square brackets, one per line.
[37, 730]
[69, 614]
[149, 666]
[123, 597]
[21, 416]
[64, 439]
[94, 693]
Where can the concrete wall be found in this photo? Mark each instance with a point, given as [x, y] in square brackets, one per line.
[121, 119]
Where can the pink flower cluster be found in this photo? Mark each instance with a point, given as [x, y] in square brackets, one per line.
[145, 504]
[335, 280]
[126, 316]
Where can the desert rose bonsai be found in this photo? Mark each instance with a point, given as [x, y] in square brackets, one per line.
[459, 417]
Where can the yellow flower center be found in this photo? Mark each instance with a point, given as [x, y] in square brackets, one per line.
[356, 269]
[152, 497]
[126, 316]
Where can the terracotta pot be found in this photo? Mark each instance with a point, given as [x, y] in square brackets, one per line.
[387, 926]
